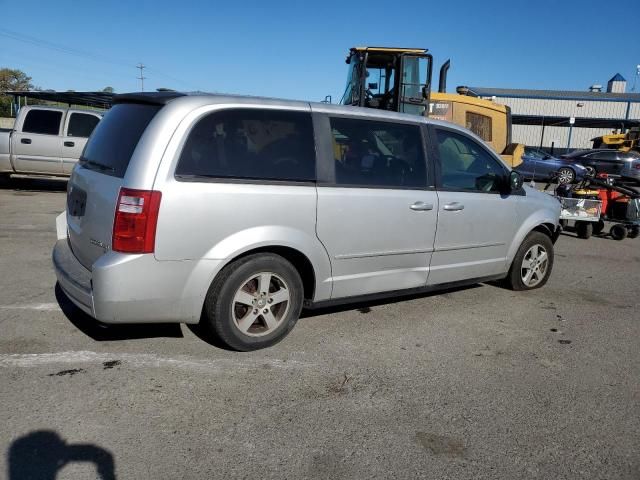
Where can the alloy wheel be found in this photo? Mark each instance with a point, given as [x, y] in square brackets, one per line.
[565, 175]
[260, 304]
[534, 265]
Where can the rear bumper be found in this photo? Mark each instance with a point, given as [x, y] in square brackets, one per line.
[123, 288]
[73, 278]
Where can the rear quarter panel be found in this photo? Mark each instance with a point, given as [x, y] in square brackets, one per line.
[216, 221]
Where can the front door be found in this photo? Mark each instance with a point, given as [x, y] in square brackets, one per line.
[476, 222]
[376, 215]
[36, 145]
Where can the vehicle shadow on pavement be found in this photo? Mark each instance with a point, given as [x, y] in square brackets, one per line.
[42, 454]
[105, 333]
[365, 306]
[23, 184]
[362, 307]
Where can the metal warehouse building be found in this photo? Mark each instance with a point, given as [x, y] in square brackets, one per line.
[566, 120]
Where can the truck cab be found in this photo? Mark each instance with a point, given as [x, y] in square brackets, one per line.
[400, 80]
[46, 140]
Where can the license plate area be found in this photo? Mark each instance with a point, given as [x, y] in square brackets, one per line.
[76, 201]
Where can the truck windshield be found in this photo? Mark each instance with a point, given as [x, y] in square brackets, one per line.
[112, 143]
[351, 95]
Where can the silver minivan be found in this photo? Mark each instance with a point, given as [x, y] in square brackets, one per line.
[237, 212]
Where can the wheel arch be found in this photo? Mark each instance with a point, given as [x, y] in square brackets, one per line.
[548, 229]
[541, 222]
[298, 259]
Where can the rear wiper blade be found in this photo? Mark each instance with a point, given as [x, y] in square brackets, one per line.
[100, 166]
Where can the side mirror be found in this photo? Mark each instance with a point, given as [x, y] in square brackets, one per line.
[373, 86]
[546, 157]
[515, 181]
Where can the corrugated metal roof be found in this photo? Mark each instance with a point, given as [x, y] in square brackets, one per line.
[91, 99]
[554, 94]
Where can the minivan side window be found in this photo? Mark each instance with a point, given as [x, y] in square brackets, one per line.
[45, 122]
[250, 144]
[466, 165]
[378, 154]
[81, 125]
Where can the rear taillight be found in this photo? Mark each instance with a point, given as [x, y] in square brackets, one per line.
[134, 225]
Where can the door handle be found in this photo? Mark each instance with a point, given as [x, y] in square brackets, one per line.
[25, 140]
[69, 144]
[453, 207]
[421, 206]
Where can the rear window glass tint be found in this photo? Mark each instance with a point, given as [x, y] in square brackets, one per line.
[81, 125]
[46, 122]
[115, 138]
[250, 144]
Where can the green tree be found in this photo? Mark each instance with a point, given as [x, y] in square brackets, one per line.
[108, 89]
[11, 80]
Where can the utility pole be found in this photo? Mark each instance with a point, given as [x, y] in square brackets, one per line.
[141, 77]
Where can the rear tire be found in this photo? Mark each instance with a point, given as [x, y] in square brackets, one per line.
[634, 231]
[532, 265]
[618, 232]
[584, 229]
[254, 302]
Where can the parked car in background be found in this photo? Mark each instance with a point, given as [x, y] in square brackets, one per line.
[45, 140]
[237, 211]
[605, 160]
[540, 166]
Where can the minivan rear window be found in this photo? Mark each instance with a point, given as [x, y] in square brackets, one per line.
[112, 143]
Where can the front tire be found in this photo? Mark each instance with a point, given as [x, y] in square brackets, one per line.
[566, 176]
[532, 264]
[584, 229]
[634, 231]
[254, 302]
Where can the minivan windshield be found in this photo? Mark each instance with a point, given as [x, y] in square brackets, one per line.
[112, 143]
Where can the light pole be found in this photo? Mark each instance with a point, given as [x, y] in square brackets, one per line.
[572, 120]
[635, 78]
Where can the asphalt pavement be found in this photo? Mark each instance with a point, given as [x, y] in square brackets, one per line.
[474, 383]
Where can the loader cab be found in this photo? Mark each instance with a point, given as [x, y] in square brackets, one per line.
[392, 79]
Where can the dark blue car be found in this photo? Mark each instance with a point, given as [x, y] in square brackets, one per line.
[540, 166]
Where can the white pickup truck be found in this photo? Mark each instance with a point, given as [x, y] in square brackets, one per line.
[45, 140]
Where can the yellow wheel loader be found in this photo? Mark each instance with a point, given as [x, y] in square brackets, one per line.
[619, 141]
[399, 80]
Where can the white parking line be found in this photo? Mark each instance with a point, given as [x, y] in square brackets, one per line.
[49, 307]
[140, 360]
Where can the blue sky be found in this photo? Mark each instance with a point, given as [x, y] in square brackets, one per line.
[297, 49]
